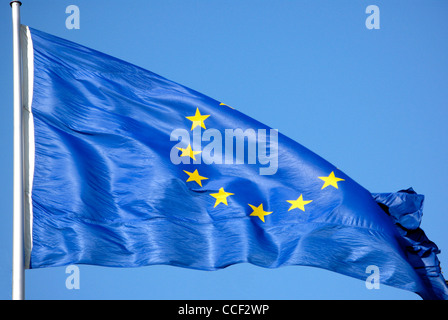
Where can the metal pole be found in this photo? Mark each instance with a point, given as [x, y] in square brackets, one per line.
[18, 270]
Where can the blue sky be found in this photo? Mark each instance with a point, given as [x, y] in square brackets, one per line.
[372, 102]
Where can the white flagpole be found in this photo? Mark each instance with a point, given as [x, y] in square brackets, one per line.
[18, 269]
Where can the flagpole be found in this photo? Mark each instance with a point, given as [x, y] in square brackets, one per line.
[18, 270]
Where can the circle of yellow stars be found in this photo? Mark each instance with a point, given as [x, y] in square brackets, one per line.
[198, 120]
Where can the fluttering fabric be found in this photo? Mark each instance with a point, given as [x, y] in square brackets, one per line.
[132, 169]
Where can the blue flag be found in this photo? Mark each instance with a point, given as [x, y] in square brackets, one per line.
[132, 169]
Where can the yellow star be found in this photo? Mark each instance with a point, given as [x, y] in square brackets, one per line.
[223, 104]
[188, 152]
[194, 176]
[221, 197]
[198, 119]
[331, 180]
[299, 203]
[259, 212]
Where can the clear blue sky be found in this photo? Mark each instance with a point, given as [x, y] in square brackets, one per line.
[372, 102]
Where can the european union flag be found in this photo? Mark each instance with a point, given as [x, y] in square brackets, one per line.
[132, 169]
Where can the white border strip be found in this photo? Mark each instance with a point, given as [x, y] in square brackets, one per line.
[28, 137]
